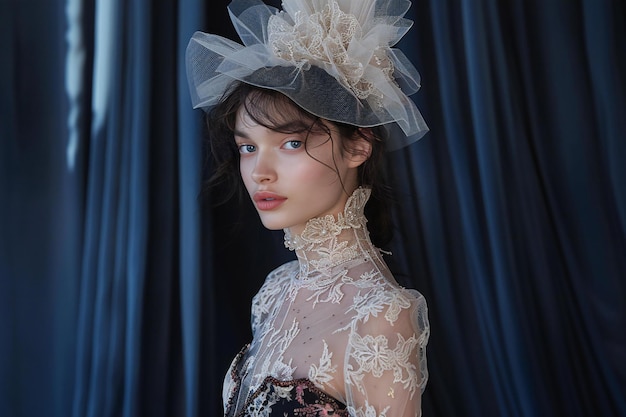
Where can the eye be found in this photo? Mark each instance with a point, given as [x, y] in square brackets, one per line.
[247, 148]
[293, 144]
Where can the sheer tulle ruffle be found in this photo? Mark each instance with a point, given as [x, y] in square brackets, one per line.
[334, 58]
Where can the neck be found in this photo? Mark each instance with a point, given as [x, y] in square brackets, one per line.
[329, 243]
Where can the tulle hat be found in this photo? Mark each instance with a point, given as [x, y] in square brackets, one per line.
[333, 58]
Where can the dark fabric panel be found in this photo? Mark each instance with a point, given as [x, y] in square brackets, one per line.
[40, 215]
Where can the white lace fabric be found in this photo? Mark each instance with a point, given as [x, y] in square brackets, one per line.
[337, 317]
[324, 37]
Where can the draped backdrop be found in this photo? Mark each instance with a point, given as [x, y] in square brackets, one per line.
[125, 292]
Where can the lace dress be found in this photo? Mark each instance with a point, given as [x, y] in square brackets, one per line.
[334, 334]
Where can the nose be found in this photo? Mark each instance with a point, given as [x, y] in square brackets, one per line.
[264, 170]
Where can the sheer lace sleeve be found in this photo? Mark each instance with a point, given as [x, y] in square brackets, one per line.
[266, 301]
[386, 360]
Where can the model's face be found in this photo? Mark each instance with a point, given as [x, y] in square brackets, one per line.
[288, 185]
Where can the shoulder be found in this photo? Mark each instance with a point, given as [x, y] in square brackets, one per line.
[387, 305]
[394, 313]
[281, 274]
[278, 277]
[286, 267]
[392, 316]
[270, 292]
[407, 305]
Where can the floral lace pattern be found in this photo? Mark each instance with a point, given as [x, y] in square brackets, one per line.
[322, 229]
[336, 320]
[319, 247]
[323, 38]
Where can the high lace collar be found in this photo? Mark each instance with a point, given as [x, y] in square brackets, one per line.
[328, 242]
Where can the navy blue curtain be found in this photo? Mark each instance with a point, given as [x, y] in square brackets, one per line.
[125, 292]
[518, 194]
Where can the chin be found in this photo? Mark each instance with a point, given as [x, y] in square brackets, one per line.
[273, 227]
[273, 224]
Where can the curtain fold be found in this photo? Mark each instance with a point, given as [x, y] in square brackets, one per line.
[198, 313]
[40, 215]
[114, 258]
[527, 204]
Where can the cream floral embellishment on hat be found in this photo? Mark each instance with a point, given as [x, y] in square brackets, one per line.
[325, 39]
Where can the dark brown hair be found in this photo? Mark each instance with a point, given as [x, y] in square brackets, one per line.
[275, 111]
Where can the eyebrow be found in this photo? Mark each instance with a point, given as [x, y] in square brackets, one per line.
[238, 133]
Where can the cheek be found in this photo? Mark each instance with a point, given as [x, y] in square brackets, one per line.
[327, 164]
[245, 170]
[313, 172]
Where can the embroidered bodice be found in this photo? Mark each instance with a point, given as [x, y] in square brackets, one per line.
[333, 333]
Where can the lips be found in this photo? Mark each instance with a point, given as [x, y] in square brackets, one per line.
[266, 200]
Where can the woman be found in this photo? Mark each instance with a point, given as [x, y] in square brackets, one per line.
[301, 115]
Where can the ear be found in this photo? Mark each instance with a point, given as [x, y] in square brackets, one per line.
[359, 147]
